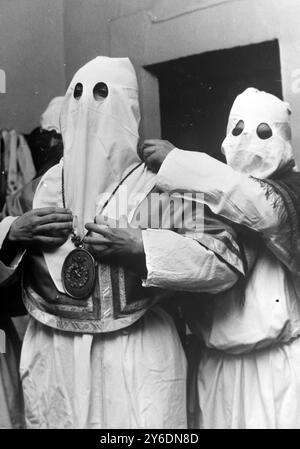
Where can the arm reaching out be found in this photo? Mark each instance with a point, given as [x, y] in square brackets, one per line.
[235, 196]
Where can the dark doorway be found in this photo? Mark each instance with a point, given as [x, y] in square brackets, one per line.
[196, 92]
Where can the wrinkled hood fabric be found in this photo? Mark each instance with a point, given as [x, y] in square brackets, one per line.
[99, 125]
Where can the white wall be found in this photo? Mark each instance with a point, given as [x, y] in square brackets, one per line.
[37, 37]
[31, 54]
[87, 28]
[228, 25]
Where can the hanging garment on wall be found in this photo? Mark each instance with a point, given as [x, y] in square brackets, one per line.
[17, 167]
[25, 161]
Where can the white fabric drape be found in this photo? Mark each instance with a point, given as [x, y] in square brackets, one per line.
[49, 120]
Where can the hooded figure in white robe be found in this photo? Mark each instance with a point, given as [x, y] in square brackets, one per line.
[249, 372]
[113, 359]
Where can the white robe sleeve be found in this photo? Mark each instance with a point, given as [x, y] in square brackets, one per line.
[15, 206]
[176, 262]
[229, 194]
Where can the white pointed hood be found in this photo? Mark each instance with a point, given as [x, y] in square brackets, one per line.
[99, 125]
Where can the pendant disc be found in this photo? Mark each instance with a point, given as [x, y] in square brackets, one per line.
[79, 273]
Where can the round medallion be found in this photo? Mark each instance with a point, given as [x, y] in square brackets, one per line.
[79, 274]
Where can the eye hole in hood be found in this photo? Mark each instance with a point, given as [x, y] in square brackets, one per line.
[238, 129]
[264, 131]
[78, 91]
[100, 91]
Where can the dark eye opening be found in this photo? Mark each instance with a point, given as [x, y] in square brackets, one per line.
[239, 128]
[100, 91]
[264, 131]
[78, 91]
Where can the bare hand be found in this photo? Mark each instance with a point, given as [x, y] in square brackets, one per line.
[116, 242]
[154, 152]
[48, 227]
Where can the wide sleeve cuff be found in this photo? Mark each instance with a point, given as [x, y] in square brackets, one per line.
[176, 262]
